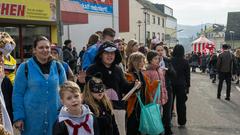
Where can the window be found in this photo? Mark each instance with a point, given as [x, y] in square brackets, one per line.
[153, 19]
[163, 22]
[158, 20]
[148, 34]
[163, 37]
[148, 19]
[159, 36]
[153, 35]
[30, 32]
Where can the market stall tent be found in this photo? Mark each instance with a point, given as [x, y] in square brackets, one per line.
[202, 45]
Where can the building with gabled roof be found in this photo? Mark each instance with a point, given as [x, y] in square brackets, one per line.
[232, 34]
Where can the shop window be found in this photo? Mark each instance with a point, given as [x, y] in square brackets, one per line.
[14, 33]
[29, 34]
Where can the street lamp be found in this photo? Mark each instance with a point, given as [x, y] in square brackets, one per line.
[170, 36]
[145, 11]
[232, 36]
[139, 22]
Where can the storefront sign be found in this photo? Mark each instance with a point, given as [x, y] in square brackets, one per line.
[99, 6]
[40, 10]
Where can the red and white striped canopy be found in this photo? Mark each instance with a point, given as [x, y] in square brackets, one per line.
[202, 43]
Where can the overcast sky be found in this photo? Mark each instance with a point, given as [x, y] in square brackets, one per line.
[194, 12]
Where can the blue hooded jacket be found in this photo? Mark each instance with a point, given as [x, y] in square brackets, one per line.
[36, 99]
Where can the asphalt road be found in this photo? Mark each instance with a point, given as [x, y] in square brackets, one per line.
[207, 115]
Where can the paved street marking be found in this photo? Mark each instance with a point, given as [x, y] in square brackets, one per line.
[238, 88]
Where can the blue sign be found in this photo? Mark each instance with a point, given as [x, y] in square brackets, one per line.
[96, 7]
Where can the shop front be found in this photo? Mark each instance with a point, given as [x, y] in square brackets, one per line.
[25, 20]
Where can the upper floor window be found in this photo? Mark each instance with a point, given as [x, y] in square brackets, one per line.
[163, 22]
[153, 17]
[148, 19]
[158, 20]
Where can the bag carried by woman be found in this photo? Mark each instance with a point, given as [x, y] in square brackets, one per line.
[150, 118]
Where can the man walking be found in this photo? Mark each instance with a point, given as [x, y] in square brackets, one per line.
[224, 65]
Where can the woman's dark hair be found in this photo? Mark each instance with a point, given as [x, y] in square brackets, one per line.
[150, 55]
[93, 39]
[166, 50]
[178, 51]
[39, 38]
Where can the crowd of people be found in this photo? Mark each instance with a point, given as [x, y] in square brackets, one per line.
[225, 64]
[59, 92]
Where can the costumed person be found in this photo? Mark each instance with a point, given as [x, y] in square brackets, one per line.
[101, 106]
[6, 46]
[74, 118]
[106, 62]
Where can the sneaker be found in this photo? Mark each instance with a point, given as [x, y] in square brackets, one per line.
[181, 126]
[218, 97]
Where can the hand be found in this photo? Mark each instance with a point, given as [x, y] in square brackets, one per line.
[19, 125]
[138, 83]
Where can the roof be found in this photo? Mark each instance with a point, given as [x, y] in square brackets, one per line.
[73, 13]
[71, 6]
[161, 8]
[202, 40]
[233, 25]
[150, 6]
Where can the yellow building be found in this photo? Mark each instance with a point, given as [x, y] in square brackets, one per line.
[26, 19]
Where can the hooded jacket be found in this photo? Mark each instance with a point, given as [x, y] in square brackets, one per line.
[61, 128]
[113, 77]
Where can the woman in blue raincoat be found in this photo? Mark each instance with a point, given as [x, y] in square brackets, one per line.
[35, 93]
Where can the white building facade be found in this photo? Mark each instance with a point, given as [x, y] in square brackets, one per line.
[171, 25]
[156, 22]
[97, 21]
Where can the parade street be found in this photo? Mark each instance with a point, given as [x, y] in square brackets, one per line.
[208, 115]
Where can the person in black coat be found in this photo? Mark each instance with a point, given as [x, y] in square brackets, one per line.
[100, 105]
[181, 82]
[7, 90]
[113, 77]
[106, 62]
[167, 108]
[213, 67]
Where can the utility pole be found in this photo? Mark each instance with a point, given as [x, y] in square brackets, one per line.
[145, 11]
[59, 24]
[139, 22]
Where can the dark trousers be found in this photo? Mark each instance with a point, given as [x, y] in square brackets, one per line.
[133, 124]
[227, 77]
[181, 97]
[167, 111]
